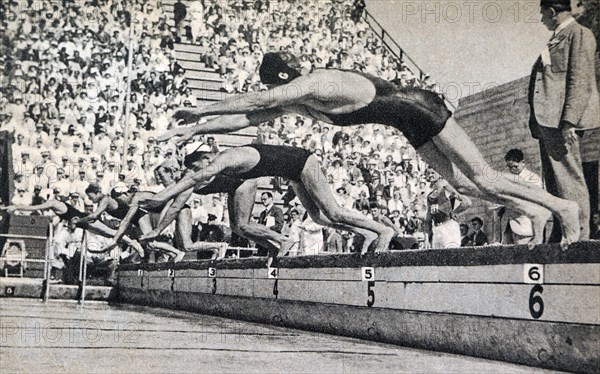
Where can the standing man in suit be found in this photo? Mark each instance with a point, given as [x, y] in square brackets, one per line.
[272, 217]
[478, 237]
[564, 101]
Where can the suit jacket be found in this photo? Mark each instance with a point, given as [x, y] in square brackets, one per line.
[274, 212]
[566, 90]
[478, 239]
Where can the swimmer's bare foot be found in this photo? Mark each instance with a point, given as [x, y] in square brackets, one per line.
[269, 261]
[383, 244]
[370, 237]
[179, 256]
[285, 247]
[149, 236]
[112, 245]
[538, 222]
[219, 252]
[569, 222]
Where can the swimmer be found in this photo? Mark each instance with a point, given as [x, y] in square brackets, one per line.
[346, 98]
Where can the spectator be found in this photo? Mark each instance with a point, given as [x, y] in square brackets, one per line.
[443, 202]
[292, 230]
[478, 237]
[564, 100]
[595, 232]
[271, 217]
[464, 235]
[517, 228]
[311, 237]
[216, 209]
[179, 14]
[335, 242]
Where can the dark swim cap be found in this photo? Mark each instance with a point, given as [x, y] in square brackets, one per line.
[279, 68]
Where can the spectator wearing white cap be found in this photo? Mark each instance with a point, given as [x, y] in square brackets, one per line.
[40, 133]
[81, 182]
[21, 197]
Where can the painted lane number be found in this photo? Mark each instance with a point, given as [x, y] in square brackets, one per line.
[368, 274]
[533, 274]
[273, 273]
[212, 272]
[536, 303]
[370, 294]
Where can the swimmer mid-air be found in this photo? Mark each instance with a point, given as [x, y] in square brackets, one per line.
[240, 202]
[345, 98]
[67, 213]
[305, 175]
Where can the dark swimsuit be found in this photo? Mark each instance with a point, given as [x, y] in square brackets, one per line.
[122, 210]
[419, 114]
[221, 183]
[71, 213]
[277, 161]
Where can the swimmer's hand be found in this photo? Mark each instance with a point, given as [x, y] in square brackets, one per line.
[170, 134]
[184, 116]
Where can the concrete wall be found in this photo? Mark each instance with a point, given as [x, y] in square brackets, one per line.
[497, 120]
[472, 301]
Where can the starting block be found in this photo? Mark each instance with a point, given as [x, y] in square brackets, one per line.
[537, 308]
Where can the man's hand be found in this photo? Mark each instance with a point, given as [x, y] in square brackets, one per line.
[568, 132]
[185, 116]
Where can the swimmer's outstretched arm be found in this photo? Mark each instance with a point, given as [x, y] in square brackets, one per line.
[219, 125]
[171, 213]
[197, 180]
[296, 92]
[48, 205]
[126, 222]
[102, 206]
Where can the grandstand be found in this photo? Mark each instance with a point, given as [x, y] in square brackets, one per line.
[82, 80]
[88, 86]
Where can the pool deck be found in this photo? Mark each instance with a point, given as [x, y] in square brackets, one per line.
[62, 336]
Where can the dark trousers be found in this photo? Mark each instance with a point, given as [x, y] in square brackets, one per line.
[563, 176]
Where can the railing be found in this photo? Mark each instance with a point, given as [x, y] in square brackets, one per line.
[395, 49]
[22, 259]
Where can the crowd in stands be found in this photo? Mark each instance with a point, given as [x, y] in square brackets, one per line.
[64, 69]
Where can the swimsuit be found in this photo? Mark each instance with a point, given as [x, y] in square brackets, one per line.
[221, 183]
[419, 114]
[71, 213]
[277, 161]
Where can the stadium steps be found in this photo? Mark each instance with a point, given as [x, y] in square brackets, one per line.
[187, 55]
[207, 94]
[187, 47]
[196, 69]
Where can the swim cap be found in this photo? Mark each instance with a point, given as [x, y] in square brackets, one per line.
[279, 68]
[190, 159]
